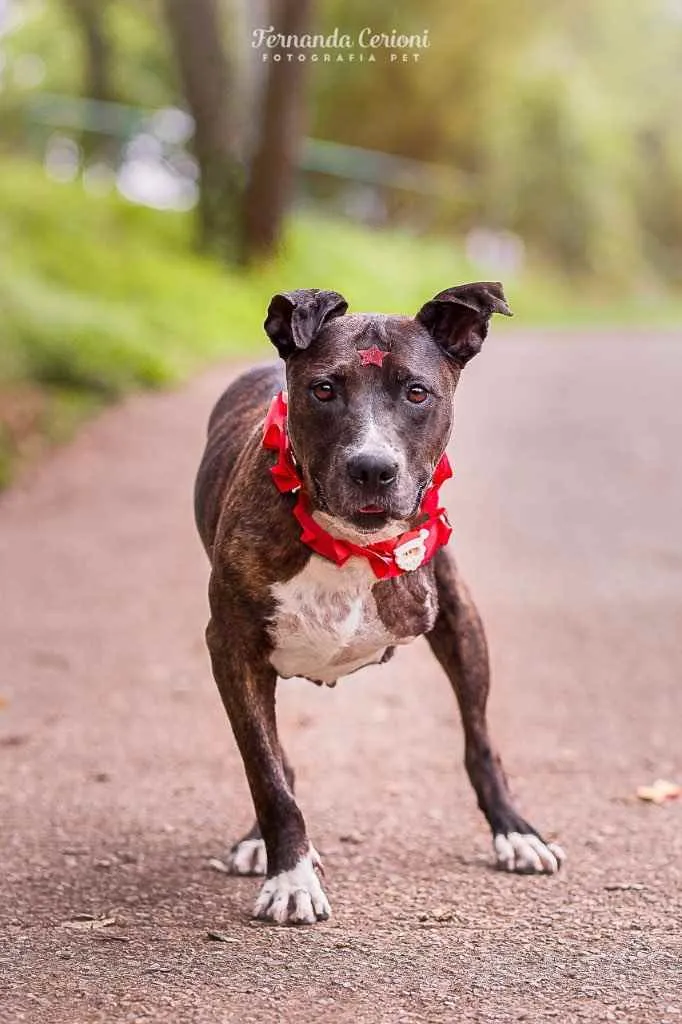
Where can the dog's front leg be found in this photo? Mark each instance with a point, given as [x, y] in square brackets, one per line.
[458, 641]
[247, 856]
[292, 893]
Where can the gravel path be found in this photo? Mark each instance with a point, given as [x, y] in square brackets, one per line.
[119, 779]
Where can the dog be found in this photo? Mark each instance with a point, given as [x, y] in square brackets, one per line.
[317, 503]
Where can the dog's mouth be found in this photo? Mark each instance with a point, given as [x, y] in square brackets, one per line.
[369, 522]
[372, 517]
[367, 518]
[375, 516]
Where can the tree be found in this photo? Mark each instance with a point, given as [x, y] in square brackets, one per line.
[243, 195]
[208, 83]
[90, 17]
[279, 132]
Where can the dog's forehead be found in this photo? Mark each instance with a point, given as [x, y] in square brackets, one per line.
[349, 343]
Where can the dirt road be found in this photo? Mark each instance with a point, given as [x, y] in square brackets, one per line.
[119, 779]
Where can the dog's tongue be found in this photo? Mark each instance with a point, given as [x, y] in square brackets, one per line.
[372, 509]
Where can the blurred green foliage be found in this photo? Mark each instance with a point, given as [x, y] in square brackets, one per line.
[564, 114]
[142, 70]
[561, 117]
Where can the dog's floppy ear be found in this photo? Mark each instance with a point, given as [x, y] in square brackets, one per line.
[458, 318]
[295, 317]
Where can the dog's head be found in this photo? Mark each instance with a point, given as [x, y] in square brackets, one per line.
[371, 396]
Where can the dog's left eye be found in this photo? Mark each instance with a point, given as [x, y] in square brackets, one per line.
[323, 391]
[417, 394]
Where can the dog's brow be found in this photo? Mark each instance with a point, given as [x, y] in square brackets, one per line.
[404, 371]
[333, 370]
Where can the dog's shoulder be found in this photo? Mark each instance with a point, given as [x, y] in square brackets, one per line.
[232, 443]
[242, 402]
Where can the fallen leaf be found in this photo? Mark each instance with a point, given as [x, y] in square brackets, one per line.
[87, 923]
[221, 937]
[659, 792]
[219, 865]
[625, 887]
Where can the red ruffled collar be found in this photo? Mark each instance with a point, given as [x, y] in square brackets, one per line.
[388, 558]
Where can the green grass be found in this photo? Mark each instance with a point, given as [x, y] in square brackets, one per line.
[98, 296]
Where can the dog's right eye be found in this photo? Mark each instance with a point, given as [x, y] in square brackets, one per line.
[323, 391]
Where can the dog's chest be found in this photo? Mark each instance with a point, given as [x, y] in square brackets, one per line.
[326, 622]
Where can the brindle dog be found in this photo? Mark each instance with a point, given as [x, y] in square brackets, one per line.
[366, 435]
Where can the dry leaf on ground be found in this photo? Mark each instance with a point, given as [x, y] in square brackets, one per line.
[659, 792]
[86, 923]
[218, 865]
[221, 937]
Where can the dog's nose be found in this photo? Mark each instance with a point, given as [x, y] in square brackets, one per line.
[372, 470]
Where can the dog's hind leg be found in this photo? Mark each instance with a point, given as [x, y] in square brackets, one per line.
[458, 641]
[248, 856]
[292, 893]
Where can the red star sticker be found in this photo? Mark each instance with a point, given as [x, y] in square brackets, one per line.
[373, 356]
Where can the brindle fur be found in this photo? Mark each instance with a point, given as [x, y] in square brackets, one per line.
[252, 538]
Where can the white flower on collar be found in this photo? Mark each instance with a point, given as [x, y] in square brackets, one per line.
[410, 555]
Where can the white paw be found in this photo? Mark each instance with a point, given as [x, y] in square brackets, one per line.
[527, 854]
[248, 858]
[296, 896]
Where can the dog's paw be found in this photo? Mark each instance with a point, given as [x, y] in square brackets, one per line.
[527, 854]
[248, 857]
[296, 896]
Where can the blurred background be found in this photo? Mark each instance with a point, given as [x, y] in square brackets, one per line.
[166, 165]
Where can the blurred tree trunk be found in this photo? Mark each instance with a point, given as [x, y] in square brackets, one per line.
[90, 16]
[280, 124]
[207, 82]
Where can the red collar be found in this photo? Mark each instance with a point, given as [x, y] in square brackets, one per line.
[388, 558]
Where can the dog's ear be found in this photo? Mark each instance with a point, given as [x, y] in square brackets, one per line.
[458, 318]
[294, 318]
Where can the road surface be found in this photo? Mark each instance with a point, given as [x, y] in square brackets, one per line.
[120, 781]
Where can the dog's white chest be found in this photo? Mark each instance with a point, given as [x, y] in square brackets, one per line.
[326, 622]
